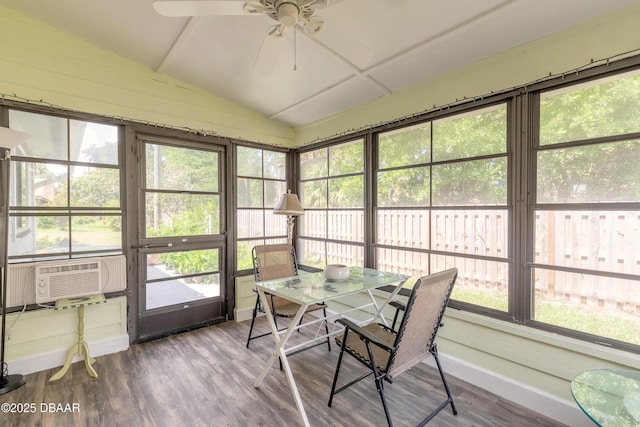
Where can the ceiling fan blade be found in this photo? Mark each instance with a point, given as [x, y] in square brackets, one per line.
[174, 8]
[269, 51]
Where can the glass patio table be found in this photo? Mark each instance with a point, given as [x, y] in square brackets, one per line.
[609, 397]
[313, 288]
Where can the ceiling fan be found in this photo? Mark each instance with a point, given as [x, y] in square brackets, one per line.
[287, 13]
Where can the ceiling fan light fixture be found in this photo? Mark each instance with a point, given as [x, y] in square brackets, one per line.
[276, 31]
[253, 8]
[288, 13]
[313, 25]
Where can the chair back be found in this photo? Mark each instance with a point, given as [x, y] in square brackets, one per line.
[274, 262]
[420, 324]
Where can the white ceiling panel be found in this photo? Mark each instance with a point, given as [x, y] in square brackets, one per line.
[340, 97]
[366, 48]
[211, 64]
[386, 29]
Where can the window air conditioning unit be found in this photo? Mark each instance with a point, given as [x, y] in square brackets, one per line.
[67, 279]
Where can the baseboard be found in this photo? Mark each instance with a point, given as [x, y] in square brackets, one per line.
[566, 412]
[56, 358]
[244, 314]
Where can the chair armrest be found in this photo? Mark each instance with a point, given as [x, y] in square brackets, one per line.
[398, 305]
[364, 334]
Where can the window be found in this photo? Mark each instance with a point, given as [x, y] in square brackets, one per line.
[539, 210]
[182, 191]
[65, 189]
[261, 180]
[441, 202]
[332, 192]
[586, 214]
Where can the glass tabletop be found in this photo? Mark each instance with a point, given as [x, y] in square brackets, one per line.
[313, 287]
[609, 397]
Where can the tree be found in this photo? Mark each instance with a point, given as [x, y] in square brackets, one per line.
[597, 171]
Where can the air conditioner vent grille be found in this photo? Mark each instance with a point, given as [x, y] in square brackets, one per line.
[67, 279]
[65, 286]
[69, 268]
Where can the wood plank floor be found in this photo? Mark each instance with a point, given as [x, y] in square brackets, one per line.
[205, 378]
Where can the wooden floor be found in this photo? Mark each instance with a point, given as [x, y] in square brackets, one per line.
[205, 378]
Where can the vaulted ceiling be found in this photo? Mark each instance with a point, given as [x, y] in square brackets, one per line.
[366, 48]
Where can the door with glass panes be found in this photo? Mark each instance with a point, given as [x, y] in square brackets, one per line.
[181, 245]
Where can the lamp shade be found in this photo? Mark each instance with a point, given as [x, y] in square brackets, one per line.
[11, 138]
[288, 205]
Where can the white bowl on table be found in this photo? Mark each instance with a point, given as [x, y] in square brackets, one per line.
[336, 272]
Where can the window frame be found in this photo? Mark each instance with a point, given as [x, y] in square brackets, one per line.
[328, 176]
[523, 121]
[430, 208]
[67, 211]
[532, 102]
[265, 239]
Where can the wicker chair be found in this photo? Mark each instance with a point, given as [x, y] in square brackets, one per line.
[387, 353]
[276, 261]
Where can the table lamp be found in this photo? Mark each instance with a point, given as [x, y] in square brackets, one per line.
[290, 206]
[9, 139]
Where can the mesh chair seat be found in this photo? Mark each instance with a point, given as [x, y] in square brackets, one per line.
[357, 347]
[288, 309]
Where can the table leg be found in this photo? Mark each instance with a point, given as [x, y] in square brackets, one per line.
[80, 348]
[381, 307]
[280, 352]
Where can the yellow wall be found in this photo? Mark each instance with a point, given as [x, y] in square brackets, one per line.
[40, 339]
[40, 63]
[609, 35]
[529, 366]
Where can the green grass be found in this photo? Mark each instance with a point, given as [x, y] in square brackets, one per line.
[91, 233]
[495, 301]
[614, 325]
[618, 326]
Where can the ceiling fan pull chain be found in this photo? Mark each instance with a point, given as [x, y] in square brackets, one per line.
[295, 49]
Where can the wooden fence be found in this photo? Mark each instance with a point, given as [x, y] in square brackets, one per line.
[606, 241]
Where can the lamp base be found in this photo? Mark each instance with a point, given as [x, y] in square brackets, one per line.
[290, 220]
[11, 382]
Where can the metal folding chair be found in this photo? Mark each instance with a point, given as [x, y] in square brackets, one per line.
[276, 261]
[387, 353]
